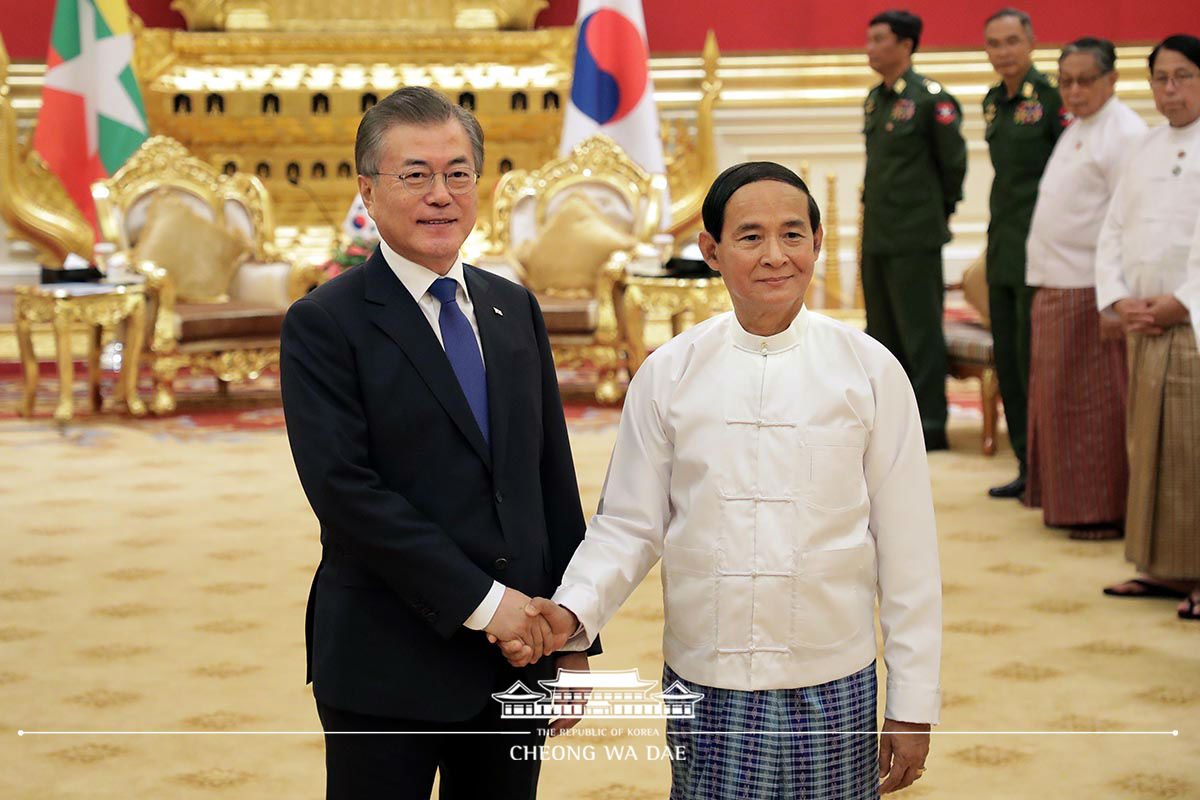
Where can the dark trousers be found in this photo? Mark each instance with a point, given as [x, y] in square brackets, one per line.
[904, 294]
[1010, 308]
[390, 765]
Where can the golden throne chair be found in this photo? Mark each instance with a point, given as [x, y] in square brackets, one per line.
[584, 323]
[234, 335]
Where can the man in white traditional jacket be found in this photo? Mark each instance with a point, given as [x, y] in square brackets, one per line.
[1142, 273]
[773, 459]
[1078, 470]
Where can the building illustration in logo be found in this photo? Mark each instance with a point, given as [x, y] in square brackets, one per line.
[602, 694]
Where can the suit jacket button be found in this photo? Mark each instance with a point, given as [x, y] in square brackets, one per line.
[501, 563]
[499, 497]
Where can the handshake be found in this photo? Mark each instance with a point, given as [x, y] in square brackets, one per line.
[525, 629]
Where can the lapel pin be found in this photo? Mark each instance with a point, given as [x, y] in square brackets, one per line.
[499, 313]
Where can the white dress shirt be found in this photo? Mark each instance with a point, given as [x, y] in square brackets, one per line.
[417, 280]
[783, 482]
[1147, 234]
[1073, 196]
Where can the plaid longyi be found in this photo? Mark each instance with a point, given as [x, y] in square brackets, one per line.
[820, 742]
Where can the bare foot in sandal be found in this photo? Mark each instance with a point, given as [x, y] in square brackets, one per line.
[1145, 587]
[1190, 607]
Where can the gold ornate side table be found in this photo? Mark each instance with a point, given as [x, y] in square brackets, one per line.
[685, 301]
[98, 305]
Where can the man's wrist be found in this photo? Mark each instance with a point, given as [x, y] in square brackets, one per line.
[575, 619]
[915, 726]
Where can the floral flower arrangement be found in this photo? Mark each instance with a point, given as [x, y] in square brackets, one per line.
[349, 256]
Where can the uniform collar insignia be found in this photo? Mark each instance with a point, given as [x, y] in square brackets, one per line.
[899, 85]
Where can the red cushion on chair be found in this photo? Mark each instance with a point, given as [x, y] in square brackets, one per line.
[968, 342]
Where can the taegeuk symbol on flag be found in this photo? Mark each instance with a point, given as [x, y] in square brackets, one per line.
[611, 91]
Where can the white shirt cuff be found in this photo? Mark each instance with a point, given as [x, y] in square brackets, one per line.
[576, 599]
[913, 702]
[1106, 298]
[483, 614]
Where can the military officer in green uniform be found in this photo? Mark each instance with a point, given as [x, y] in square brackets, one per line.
[1024, 116]
[916, 162]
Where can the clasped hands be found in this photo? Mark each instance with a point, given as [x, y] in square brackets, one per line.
[526, 629]
[1152, 315]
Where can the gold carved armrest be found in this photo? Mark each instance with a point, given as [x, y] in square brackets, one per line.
[651, 219]
[610, 287]
[160, 290]
[303, 278]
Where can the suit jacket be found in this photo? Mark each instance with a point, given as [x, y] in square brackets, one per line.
[418, 515]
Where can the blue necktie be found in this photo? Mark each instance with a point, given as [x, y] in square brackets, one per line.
[463, 351]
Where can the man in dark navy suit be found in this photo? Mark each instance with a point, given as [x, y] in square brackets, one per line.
[426, 426]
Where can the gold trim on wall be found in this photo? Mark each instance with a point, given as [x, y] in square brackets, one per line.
[373, 15]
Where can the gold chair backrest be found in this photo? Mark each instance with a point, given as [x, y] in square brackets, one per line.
[597, 166]
[238, 202]
[246, 207]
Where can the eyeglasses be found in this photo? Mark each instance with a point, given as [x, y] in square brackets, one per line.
[420, 181]
[1181, 79]
[1082, 82]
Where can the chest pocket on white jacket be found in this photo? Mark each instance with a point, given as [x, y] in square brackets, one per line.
[831, 471]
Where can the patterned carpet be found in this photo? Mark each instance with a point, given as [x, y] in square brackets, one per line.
[155, 572]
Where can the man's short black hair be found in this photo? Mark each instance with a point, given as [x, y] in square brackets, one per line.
[1017, 14]
[903, 23]
[1186, 46]
[738, 176]
[1100, 49]
[410, 105]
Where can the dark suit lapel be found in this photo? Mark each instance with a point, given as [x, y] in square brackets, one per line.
[495, 334]
[394, 311]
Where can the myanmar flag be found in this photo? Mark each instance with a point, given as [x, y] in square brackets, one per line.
[92, 117]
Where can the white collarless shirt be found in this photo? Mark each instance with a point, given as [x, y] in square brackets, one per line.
[1073, 196]
[782, 480]
[417, 280]
[1147, 235]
